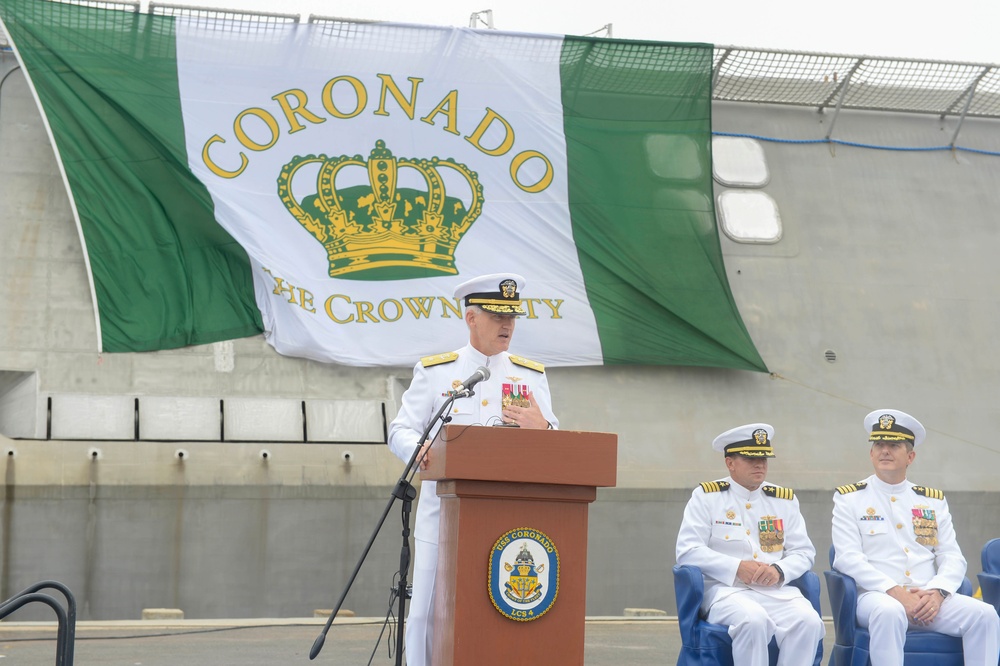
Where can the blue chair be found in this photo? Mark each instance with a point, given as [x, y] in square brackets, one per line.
[704, 643]
[989, 579]
[850, 648]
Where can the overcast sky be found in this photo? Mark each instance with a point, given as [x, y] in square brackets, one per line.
[963, 30]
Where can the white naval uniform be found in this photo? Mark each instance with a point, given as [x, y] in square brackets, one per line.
[721, 528]
[875, 539]
[426, 394]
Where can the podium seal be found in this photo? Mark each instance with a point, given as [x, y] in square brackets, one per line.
[523, 574]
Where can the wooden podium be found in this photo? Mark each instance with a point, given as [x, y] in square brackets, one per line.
[505, 489]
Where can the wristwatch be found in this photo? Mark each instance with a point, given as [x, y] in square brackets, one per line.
[780, 572]
[944, 593]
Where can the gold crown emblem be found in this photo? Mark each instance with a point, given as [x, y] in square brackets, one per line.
[382, 228]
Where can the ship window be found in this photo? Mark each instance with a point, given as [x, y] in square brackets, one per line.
[673, 157]
[749, 217]
[739, 162]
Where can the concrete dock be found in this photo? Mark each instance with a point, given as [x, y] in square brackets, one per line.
[610, 641]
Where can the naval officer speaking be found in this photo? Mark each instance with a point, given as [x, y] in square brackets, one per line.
[514, 392]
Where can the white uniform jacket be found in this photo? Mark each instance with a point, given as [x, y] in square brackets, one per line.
[887, 535]
[428, 391]
[724, 524]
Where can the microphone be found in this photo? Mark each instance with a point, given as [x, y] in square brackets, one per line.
[481, 374]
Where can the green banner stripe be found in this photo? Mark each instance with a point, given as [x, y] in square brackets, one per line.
[166, 275]
[637, 118]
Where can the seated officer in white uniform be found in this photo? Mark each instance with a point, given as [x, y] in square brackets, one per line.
[897, 541]
[748, 538]
[517, 393]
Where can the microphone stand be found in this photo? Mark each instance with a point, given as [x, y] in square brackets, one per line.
[404, 491]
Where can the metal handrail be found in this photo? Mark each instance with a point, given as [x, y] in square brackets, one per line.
[66, 617]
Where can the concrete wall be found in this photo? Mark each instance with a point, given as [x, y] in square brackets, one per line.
[887, 260]
[224, 533]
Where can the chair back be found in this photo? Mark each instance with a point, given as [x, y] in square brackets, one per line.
[808, 585]
[991, 556]
[989, 577]
[843, 593]
[689, 591]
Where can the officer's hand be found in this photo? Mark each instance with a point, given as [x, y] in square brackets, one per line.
[425, 455]
[747, 570]
[766, 575]
[928, 605]
[908, 598]
[526, 417]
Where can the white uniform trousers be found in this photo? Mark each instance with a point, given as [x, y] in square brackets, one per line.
[753, 618]
[420, 614]
[976, 622]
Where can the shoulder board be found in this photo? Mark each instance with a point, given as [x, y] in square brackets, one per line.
[527, 363]
[933, 493]
[714, 486]
[438, 359]
[851, 487]
[779, 492]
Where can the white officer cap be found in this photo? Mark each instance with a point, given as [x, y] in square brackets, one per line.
[892, 425]
[752, 440]
[496, 292]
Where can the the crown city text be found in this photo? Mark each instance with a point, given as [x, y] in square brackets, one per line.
[342, 309]
[344, 97]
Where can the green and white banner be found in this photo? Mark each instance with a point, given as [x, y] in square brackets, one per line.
[330, 184]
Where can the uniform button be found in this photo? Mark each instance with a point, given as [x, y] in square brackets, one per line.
[893, 499]
[899, 526]
[906, 550]
[871, 532]
[755, 556]
[907, 574]
[485, 402]
[456, 410]
[748, 531]
[748, 505]
[727, 537]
